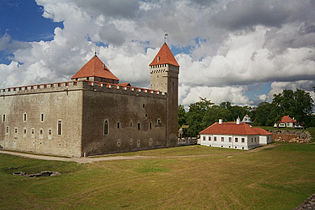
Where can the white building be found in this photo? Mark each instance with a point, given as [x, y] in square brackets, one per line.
[286, 122]
[234, 135]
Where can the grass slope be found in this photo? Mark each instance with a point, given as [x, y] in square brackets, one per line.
[280, 177]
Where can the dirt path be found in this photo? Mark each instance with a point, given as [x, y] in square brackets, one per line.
[78, 160]
[263, 148]
[110, 158]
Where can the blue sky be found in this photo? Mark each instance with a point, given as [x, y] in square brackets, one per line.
[24, 22]
[239, 51]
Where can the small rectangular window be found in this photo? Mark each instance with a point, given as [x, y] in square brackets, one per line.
[25, 130]
[42, 117]
[3, 118]
[33, 131]
[209, 138]
[236, 139]
[222, 139]
[15, 130]
[7, 130]
[139, 126]
[118, 125]
[215, 138]
[204, 138]
[41, 131]
[49, 132]
[24, 117]
[59, 127]
[230, 139]
[243, 140]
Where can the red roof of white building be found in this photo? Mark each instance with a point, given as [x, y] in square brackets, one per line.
[95, 68]
[231, 128]
[126, 84]
[287, 119]
[164, 56]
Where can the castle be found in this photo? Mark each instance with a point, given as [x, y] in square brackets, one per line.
[93, 113]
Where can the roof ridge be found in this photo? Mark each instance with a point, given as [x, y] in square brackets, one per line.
[233, 129]
[164, 56]
[95, 68]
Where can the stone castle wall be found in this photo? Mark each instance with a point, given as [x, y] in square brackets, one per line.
[136, 118]
[82, 107]
[30, 115]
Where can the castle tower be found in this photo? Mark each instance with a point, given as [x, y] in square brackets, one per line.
[164, 71]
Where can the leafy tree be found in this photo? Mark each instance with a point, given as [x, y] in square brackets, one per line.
[181, 115]
[265, 114]
[296, 104]
[195, 116]
[204, 113]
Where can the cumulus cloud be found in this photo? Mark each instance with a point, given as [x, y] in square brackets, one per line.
[278, 87]
[8, 45]
[233, 44]
[216, 94]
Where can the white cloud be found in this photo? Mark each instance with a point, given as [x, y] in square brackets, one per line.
[215, 94]
[226, 55]
[278, 87]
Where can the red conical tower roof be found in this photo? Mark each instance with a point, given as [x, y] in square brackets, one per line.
[164, 56]
[95, 68]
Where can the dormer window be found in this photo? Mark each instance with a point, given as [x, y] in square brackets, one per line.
[158, 59]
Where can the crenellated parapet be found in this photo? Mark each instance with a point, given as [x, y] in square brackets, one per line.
[116, 88]
[80, 85]
[48, 87]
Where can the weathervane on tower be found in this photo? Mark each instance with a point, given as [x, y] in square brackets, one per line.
[165, 37]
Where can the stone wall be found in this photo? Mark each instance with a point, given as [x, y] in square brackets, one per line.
[32, 114]
[137, 118]
[124, 108]
[292, 136]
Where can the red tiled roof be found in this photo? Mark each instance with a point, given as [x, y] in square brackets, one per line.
[124, 84]
[261, 131]
[287, 119]
[164, 56]
[228, 128]
[95, 68]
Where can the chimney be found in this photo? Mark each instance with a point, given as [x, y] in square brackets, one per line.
[238, 121]
[220, 121]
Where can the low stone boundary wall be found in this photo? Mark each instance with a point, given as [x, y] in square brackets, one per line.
[309, 203]
[291, 136]
[187, 141]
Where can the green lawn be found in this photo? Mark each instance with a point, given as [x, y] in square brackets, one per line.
[279, 177]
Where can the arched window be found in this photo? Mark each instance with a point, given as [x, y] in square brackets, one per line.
[105, 127]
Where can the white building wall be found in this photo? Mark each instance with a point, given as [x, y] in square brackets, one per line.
[289, 125]
[230, 141]
[263, 140]
[267, 139]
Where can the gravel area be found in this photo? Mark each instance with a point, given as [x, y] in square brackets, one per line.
[308, 204]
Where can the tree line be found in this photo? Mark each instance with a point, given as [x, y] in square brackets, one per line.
[297, 104]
